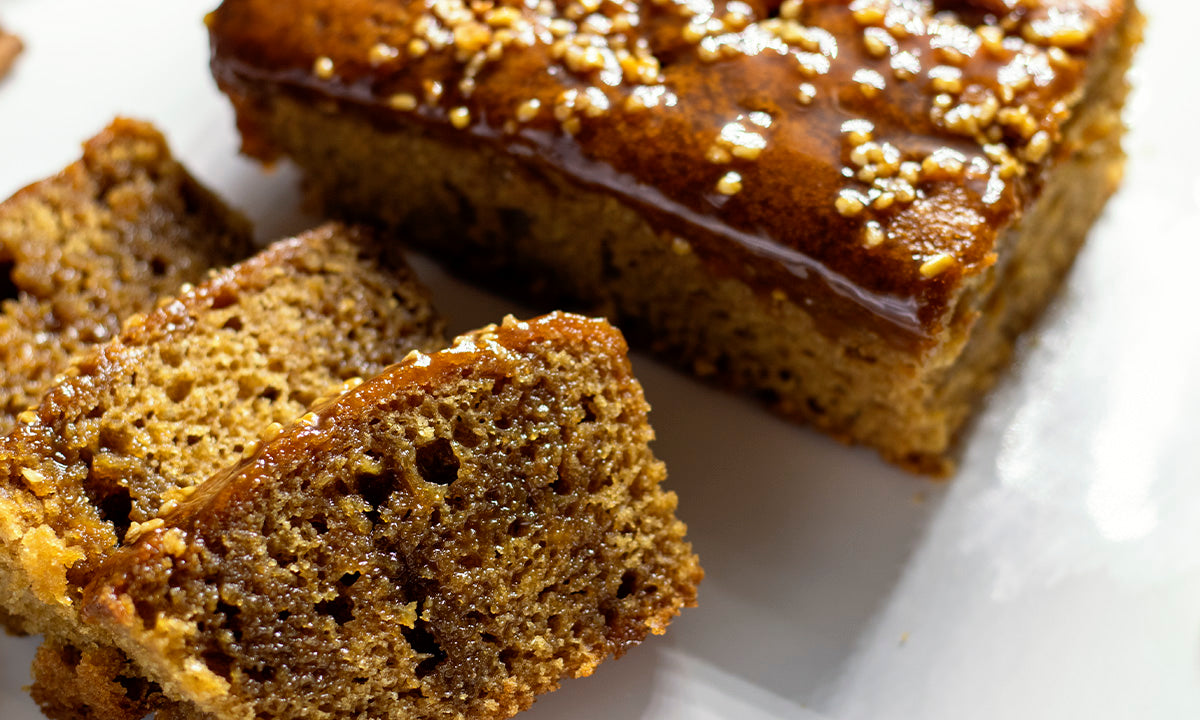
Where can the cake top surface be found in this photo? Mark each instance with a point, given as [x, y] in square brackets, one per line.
[876, 146]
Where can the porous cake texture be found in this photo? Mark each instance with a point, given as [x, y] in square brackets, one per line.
[103, 239]
[134, 424]
[850, 209]
[446, 540]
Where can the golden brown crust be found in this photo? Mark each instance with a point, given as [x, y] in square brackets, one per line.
[974, 94]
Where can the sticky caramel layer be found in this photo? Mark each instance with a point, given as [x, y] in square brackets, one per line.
[860, 157]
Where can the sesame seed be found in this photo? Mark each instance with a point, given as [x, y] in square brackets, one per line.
[878, 42]
[502, 17]
[1059, 28]
[806, 93]
[905, 65]
[1058, 57]
[942, 163]
[946, 79]
[790, 9]
[730, 183]
[858, 131]
[528, 110]
[992, 38]
[271, 431]
[417, 47]
[460, 117]
[323, 67]
[381, 53]
[849, 203]
[403, 101]
[866, 12]
[1038, 146]
[873, 234]
[561, 27]
[937, 264]
[717, 155]
[870, 83]
[951, 55]
[741, 141]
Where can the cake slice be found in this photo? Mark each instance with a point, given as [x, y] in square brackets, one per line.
[103, 239]
[182, 392]
[84, 249]
[448, 539]
[849, 209]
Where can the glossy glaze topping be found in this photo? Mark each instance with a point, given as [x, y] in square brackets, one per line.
[874, 148]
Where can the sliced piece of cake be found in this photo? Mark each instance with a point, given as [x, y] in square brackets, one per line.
[449, 539]
[103, 239]
[182, 392]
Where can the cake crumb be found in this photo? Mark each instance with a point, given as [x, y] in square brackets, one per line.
[10, 47]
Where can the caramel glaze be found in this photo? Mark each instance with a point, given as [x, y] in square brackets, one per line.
[973, 93]
[314, 432]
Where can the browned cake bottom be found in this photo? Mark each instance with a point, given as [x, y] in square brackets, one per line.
[502, 220]
[447, 540]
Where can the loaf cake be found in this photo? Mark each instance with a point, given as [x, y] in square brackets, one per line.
[96, 243]
[134, 424]
[447, 540]
[850, 209]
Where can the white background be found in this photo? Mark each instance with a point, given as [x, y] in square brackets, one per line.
[1057, 576]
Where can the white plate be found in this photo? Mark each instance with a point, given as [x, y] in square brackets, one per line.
[1057, 576]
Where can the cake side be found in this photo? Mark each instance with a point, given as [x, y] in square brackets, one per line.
[103, 239]
[448, 539]
[695, 285]
[184, 390]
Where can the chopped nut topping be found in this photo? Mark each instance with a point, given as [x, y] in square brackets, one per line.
[806, 93]
[937, 265]
[323, 68]
[460, 117]
[730, 183]
[403, 101]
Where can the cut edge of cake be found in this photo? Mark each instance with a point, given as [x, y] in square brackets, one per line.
[505, 524]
